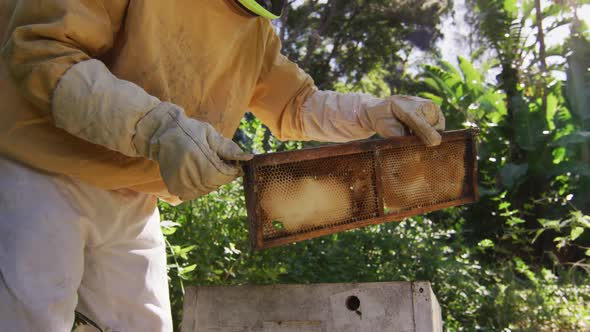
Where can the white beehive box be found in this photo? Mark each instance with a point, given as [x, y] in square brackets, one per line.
[366, 307]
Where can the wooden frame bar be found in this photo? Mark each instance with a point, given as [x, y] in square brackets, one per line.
[470, 194]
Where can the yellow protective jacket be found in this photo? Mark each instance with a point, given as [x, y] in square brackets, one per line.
[206, 56]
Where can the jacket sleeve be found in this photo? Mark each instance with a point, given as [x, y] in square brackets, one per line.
[280, 92]
[47, 37]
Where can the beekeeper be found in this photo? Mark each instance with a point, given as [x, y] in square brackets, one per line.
[108, 106]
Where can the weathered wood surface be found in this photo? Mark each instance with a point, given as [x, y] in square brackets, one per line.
[382, 307]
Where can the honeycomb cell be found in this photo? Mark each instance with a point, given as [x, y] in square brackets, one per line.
[417, 176]
[338, 190]
[307, 195]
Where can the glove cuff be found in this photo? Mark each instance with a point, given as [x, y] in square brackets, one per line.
[91, 103]
[329, 116]
[153, 125]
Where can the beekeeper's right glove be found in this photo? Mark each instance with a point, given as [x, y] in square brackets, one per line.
[91, 103]
[342, 117]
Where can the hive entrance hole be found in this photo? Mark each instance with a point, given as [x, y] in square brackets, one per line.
[353, 303]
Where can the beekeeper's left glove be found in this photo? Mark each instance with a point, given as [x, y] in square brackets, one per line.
[194, 158]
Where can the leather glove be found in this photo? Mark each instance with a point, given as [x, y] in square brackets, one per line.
[91, 103]
[194, 158]
[403, 115]
[335, 117]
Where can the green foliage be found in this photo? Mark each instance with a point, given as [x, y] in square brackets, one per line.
[516, 260]
[473, 292]
[331, 38]
[578, 83]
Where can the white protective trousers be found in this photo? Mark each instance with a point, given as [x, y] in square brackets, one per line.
[65, 246]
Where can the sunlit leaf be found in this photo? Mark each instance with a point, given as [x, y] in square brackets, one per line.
[511, 7]
[558, 155]
[576, 232]
[549, 223]
[436, 99]
[512, 221]
[188, 269]
[551, 110]
[473, 78]
[485, 243]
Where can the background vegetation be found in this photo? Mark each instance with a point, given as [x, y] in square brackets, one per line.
[515, 261]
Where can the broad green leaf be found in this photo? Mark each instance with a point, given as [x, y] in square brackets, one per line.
[436, 99]
[469, 72]
[559, 155]
[552, 104]
[184, 272]
[449, 74]
[550, 223]
[169, 231]
[581, 219]
[485, 243]
[473, 79]
[511, 7]
[189, 268]
[185, 250]
[576, 232]
[432, 83]
[448, 67]
[444, 88]
[514, 221]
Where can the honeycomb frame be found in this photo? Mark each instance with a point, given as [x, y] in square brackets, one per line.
[384, 180]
